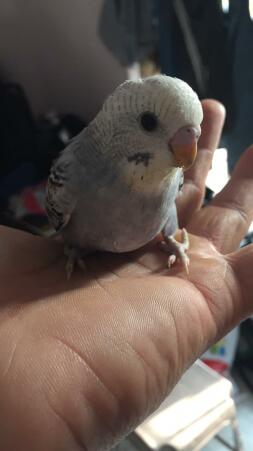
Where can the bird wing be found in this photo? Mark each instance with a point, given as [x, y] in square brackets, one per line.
[61, 198]
[181, 182]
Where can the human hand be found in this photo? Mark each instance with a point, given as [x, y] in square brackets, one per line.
[84, 361]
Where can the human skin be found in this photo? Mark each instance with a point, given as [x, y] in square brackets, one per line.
[84, 361]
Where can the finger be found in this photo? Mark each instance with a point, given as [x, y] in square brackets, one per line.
[194, 185]
[242, 263]
[227, 219]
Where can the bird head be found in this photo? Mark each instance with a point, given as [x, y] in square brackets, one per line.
[153, 125]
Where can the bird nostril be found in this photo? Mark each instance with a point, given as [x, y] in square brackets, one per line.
[194, 132]
[186, 135]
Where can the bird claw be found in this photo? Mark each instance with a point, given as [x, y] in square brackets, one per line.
[177, 250]
[74, 258]
[69, 268]
[171, 260]
[185, 262]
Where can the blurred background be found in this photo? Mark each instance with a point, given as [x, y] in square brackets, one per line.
[60, 59]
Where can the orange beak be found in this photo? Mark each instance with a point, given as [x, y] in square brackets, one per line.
[184, 146]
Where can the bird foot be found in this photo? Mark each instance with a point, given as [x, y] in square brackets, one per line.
[75, 257]
[177, 250]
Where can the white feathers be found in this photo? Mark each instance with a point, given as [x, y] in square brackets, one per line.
[173, 100]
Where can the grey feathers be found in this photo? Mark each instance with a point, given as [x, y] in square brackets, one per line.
[59, 200]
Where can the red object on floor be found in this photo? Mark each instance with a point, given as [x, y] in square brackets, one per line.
[217, 365]
[33, 199]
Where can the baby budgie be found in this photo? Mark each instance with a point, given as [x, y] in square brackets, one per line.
[114, 186]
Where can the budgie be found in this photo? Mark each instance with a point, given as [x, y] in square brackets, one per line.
[114, 187]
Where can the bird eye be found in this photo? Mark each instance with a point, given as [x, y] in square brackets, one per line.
[149, 121]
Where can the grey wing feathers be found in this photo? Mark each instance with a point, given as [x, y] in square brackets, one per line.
[181, 183]
[60, 200]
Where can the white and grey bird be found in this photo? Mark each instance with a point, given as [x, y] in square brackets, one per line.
[114, 187]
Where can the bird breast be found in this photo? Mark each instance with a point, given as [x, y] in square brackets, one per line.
[117, 219]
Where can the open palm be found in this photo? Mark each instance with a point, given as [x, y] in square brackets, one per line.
[82, 362]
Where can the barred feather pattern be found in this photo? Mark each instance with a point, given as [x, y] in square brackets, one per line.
[57, 205]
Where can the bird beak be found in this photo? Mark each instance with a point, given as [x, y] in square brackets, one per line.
[184, 146]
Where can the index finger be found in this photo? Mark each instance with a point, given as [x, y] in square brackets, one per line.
[194, 184]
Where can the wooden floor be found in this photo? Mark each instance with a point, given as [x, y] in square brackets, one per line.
[244, 404]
